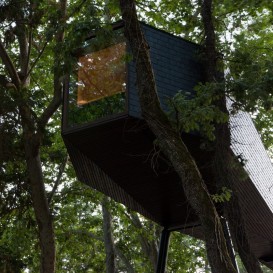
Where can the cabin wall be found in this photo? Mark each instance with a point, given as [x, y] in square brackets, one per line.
[176, 67]
[116, 156]
[247, 144]
[255, 192]
[89, 173]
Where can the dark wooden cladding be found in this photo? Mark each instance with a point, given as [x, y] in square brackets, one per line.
[155, 191]
[89, 173]
[123, 148]
[176, 65]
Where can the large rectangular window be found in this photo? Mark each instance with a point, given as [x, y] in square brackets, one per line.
[97, 86]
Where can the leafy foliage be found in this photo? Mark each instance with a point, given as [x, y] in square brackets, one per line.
[223, 196]
[245, 32]
[198, 113]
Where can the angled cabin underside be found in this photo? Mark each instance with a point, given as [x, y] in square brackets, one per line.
[113, 150]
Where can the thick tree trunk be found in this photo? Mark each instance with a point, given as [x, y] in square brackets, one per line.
[40, 204]
[172, 145]
[33, 127]
[32, 143]
[226, 172]
[224, 161]
[108, 237]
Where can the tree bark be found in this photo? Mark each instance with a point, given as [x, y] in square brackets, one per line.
[33, 128]
[226, 172]
[40, 204]
[172, 145]
[224, 160]
[108, 237]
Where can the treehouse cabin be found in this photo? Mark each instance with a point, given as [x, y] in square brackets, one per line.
[113, 150]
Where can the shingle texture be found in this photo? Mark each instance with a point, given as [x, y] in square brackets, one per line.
[113, 156]
[255, 193]
[176, 67]
[247, 144]
[89, 173]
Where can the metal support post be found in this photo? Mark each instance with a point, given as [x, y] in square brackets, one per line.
[163, 251]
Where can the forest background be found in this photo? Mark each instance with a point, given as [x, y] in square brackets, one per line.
[44, 209]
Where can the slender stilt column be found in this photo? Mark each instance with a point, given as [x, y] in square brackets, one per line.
[163, 251]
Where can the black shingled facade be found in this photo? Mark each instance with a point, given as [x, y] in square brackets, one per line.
[116, 155]
[176, 67]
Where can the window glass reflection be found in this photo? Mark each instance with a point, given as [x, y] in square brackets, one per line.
[101, 74]
[97, 87]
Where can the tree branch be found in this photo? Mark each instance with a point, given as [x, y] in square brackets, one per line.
[57, 97]
[28, 53]
[9, 66]
[210, 43]
[37, 59]
[21, 33]
[58, 179]
[172, 145]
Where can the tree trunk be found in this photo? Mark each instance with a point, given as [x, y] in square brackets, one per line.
[40, 204]
[33, 126]
[226, 172]
[172, 145]
[224, 161]
[108, 237]
[32, 143]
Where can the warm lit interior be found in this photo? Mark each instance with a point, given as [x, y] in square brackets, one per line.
[101, 74]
